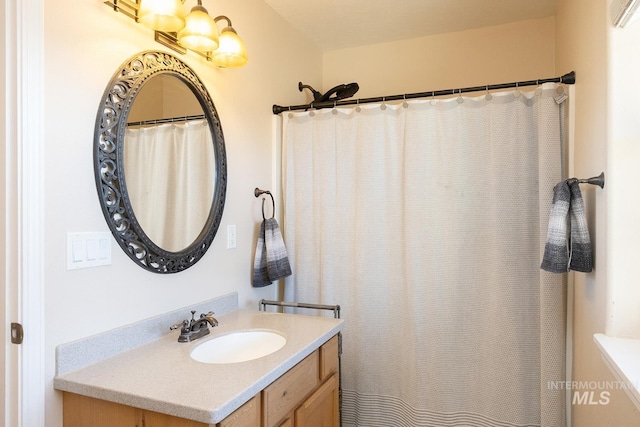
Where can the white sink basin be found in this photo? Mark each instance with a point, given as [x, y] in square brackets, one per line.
[238, 346]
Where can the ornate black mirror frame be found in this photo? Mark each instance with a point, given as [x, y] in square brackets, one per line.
[109, 162]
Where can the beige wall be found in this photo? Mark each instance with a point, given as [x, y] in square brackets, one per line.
[164, 97]
[582, 44]
[519, 51]
[85, 42]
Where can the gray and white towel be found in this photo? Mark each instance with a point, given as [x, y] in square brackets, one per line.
[271, 261]
[568, 246]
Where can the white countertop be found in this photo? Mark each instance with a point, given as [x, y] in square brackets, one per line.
[161, 376]
[622, 356]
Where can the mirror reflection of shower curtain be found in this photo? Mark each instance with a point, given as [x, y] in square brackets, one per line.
[169, 171]
[427, 225]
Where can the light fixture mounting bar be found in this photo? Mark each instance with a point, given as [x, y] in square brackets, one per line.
[128, 7]
[170, 40]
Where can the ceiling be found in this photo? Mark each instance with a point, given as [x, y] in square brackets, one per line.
[338, 24]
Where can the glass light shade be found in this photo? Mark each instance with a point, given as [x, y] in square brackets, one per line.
[231, 52]
[162, 15]
[200, 31]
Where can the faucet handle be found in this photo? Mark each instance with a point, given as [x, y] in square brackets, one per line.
[209, 316]
[184, 324]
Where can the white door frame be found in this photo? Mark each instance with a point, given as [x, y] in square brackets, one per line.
[23, 205]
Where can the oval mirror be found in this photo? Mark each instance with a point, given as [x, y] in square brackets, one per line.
[160, 162]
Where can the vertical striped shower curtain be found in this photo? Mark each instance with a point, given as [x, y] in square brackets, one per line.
[426, 222]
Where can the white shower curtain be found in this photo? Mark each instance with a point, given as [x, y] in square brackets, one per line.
[159, 160]
[426, 223]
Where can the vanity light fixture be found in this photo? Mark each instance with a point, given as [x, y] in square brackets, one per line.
[161, 15]
[200, 31]
[196, 31]
[231, 52]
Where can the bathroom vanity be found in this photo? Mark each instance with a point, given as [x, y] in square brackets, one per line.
[306, 395]
[159, 384]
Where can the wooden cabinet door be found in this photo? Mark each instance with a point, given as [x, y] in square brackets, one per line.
[329, 358]
[84, 411]
[321, 409]
[246, 415]
[80, 411]
[285, 394]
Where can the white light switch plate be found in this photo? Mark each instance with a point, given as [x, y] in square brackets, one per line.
[88, 250]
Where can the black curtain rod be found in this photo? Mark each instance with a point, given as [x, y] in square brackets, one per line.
[168, 120]
[569, 78]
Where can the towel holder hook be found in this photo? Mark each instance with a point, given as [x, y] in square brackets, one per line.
[596, 180]
[257, 192]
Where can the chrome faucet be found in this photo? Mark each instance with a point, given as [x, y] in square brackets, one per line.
[191, 330]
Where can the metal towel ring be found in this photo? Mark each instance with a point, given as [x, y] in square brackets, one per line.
[257, 192]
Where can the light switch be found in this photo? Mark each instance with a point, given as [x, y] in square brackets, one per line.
[92, 249]
[104, 249]
[77, 251]
[88, 249]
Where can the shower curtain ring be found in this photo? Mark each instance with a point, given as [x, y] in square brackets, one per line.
[538, 91]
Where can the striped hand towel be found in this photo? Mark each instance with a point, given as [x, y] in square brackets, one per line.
[271, 260]
[567, 248]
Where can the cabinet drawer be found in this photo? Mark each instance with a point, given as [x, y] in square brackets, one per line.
[329, 358]
[286, 393]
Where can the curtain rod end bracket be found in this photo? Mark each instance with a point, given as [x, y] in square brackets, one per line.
[569, 78]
